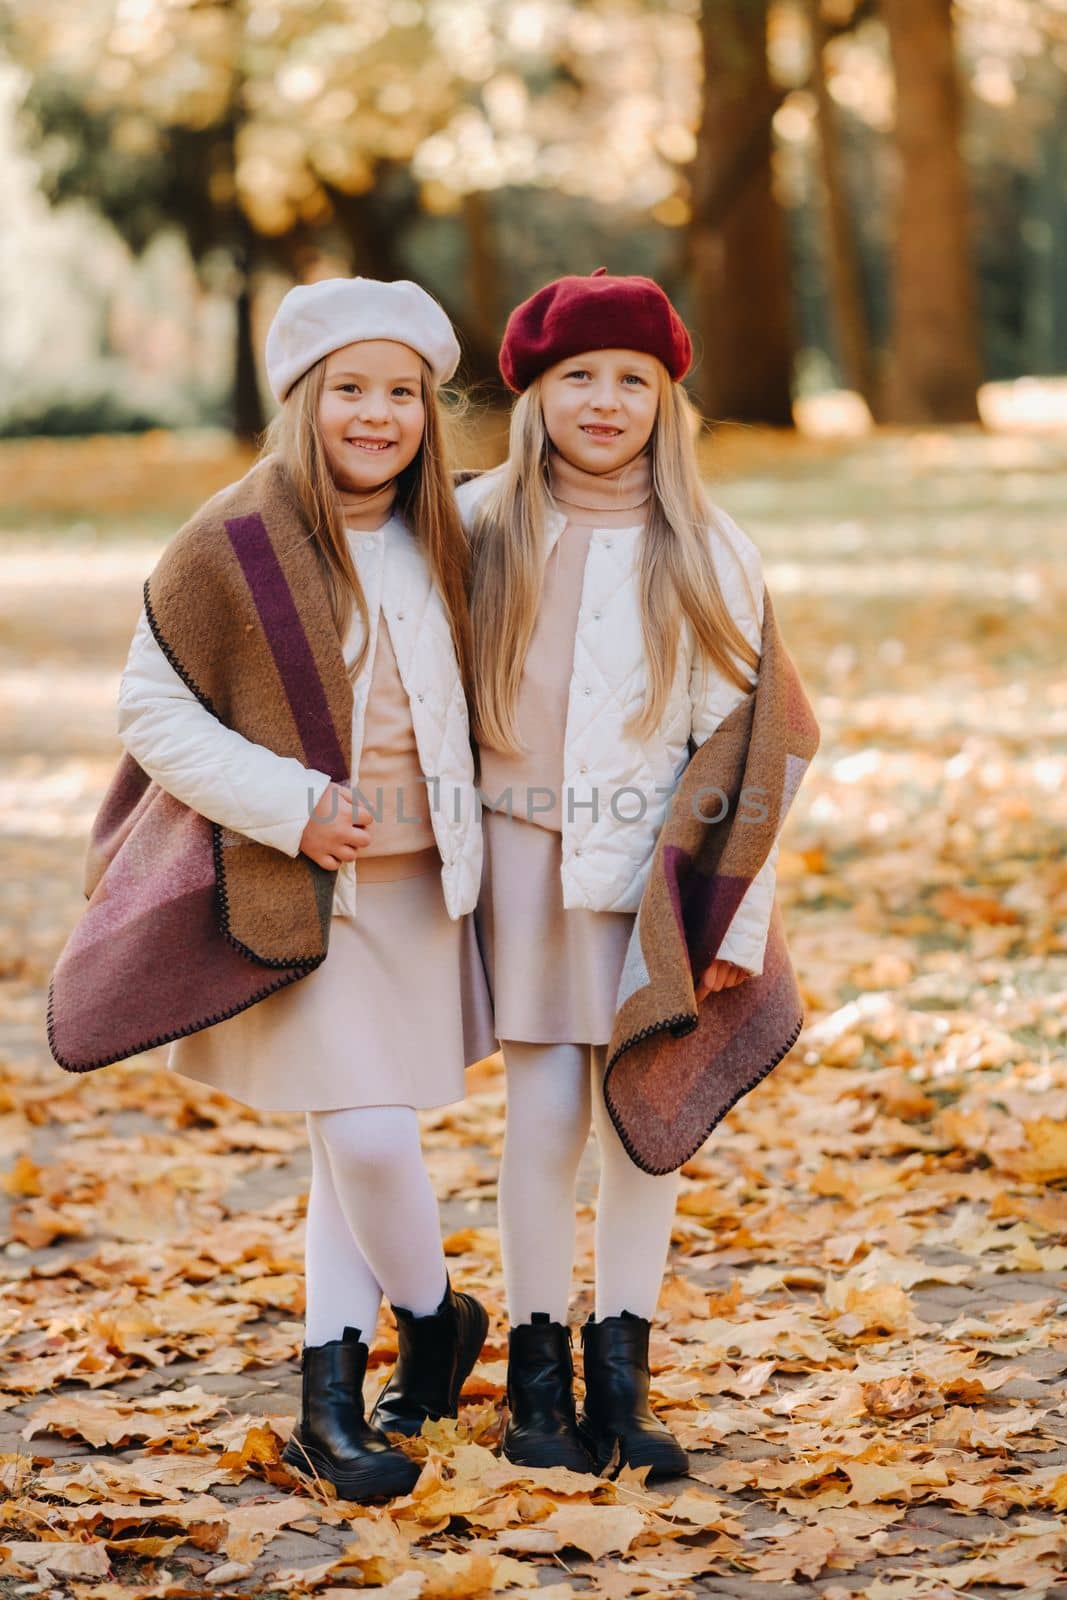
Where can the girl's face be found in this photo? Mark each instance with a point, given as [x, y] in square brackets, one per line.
[600, 407]
[371, 413]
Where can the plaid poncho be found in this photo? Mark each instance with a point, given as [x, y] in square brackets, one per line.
[675, 1069]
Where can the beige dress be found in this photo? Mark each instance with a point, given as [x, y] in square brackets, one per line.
[553, 972]
[400, 1006]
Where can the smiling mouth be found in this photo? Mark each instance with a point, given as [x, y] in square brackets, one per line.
[601, 430]
[372, 446]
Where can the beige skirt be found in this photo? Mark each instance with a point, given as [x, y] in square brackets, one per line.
[554, 973]
[394, 1014]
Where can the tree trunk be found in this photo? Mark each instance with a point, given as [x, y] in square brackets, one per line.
[851, 330]
[482, 323]
[737, 245]
[248, 418]
[935, 366]
[372, 224]
[246, 409]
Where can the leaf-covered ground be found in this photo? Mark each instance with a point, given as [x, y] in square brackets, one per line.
[863, 1336]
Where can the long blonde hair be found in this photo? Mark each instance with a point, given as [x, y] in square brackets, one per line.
[676, 578]
[425, 497]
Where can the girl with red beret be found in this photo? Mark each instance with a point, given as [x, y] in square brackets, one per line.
[617, 620]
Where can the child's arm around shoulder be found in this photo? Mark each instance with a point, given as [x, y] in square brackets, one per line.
[209, 767]
[472, 490]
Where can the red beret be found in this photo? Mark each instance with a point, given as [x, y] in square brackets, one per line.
[600, 312]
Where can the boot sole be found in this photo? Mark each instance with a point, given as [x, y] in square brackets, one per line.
[469, 1351]
[668, 1460]
[372, 1482]
[548, 1454]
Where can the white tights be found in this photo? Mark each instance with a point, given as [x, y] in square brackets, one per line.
[551, 1090]
[372, 1224]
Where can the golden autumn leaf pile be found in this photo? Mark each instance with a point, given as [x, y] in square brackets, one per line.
[862, 1340]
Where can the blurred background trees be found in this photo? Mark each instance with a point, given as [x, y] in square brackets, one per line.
[856, 193]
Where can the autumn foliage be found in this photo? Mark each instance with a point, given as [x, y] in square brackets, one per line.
[861, 1339]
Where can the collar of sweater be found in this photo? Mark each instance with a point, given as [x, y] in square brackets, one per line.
[366, 511]
[617, 498]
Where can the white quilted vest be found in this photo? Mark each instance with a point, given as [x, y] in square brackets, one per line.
[617, 786]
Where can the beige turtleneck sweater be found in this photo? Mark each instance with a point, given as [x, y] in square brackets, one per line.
[588, 500]
[390, 758]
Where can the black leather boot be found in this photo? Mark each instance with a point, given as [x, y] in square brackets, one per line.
[542, 1430]
[435, 1355]
[616, 1411]
[332, 1437]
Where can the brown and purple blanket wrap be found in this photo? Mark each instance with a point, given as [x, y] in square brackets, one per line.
[675, 1068]
[188, 922]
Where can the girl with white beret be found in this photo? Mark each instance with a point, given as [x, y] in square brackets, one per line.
[298, 678]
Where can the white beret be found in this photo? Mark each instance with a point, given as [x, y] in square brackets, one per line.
[316, 318]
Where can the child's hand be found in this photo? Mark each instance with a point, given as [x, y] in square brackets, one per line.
[720, 975]
[334, 833]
